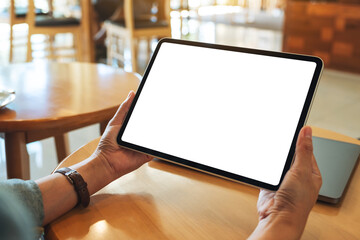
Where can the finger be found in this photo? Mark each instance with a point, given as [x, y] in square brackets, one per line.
[122, 110]
[149, 157]
[264, 195]
[265, 201]
[315, 167]
[304, 150]
[317, 179]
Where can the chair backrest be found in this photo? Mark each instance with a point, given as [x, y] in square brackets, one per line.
[129, 14]
[164, 10]
[31, 13]
[30, 16]
[12, 12]
[13, 19]
[162, 14]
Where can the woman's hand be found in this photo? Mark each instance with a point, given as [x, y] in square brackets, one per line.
[106, 164]
[119, 160]
[283, 214]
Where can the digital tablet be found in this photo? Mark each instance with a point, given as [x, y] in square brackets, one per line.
[228, 111]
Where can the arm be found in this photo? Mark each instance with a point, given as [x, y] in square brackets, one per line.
[283, 214]
[106, 164]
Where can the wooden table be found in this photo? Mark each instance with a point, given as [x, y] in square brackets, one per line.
[166, 201]
[54, 98]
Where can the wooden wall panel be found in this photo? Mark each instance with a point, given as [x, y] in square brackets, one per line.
[328, 30]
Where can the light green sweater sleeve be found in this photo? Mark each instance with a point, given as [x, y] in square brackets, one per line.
[21, 206]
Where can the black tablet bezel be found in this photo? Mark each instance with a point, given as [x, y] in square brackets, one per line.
[208, 169]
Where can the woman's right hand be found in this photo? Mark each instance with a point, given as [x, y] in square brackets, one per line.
[283, 214]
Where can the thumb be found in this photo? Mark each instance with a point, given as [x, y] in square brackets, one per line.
[122, 110]
[304, 150]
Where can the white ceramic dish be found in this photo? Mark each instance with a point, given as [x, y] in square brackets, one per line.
[6, 97]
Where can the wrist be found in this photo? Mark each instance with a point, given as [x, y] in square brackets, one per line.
[278, 227]
[95, 173]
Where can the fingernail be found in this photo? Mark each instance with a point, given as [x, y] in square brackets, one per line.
[308, 132]
[129, 94]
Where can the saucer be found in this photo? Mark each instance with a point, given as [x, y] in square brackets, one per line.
[6, 97]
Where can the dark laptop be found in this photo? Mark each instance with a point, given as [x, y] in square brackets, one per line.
[336, 161]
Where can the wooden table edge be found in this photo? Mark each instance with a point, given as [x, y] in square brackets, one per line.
[87, 118]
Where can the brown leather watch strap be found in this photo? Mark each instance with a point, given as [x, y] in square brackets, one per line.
[79, 184]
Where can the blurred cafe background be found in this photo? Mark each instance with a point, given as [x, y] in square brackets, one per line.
[123, 34]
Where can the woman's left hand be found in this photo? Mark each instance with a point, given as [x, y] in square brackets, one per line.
[120, 160]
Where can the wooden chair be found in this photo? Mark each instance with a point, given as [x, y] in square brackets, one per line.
[130, 30]
[51, 26]
[13, 16]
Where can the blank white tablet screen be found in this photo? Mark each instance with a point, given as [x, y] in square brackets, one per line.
[232, 111]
